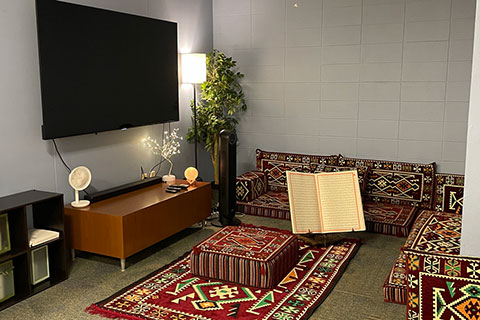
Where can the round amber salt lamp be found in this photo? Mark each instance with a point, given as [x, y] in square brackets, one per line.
[191, 174]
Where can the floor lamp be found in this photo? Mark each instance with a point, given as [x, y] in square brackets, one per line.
[194, 71]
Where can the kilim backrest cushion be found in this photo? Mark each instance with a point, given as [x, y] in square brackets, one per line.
[400, 183]
[275, 164]
[442, 286]
[250, 185]
[449, 192]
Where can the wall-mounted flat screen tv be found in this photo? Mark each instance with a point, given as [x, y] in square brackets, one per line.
[102, 70]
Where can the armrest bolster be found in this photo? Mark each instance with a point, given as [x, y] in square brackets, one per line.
[251, 185]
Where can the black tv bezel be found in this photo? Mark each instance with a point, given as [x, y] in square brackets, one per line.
[49, 136]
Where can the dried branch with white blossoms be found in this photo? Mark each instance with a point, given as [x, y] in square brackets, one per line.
[169, 147]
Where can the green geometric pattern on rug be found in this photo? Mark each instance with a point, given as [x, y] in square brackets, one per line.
[172, 292]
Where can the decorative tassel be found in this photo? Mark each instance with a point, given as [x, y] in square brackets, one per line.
[95, 309]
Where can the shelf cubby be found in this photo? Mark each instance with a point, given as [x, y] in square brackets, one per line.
[40, 210]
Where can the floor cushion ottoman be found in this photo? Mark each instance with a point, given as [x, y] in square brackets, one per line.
[246, 255]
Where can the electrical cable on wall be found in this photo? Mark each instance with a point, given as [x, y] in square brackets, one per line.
[69, 170]
[159, 165]
[61, 158]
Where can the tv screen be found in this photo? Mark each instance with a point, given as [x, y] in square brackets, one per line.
[102, 70]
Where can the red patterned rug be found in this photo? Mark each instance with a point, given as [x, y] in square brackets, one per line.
[174, 293]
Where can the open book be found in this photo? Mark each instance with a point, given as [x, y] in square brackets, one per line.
[325, 202]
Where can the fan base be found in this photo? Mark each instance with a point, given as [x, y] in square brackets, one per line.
[80, 203]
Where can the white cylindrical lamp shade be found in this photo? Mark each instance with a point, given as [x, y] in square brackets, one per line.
[194, 68]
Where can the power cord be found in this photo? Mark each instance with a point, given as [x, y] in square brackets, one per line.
[69, 170]
[159, 165]
[60, 156]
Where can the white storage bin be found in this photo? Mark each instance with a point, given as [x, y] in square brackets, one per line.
[4, 234]
[40, 266]
[7, 285]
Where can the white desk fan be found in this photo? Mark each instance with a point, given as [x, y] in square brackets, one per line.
[79, 180]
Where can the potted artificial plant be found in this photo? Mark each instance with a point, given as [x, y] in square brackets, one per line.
[222, 100]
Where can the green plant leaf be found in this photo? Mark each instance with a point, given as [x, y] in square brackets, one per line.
[222, 101]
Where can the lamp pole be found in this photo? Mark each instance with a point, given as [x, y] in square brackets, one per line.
[195, 120]
[194, 71]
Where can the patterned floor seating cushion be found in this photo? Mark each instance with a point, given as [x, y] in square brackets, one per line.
[275, 164]
[437, 232]
[395, 286]
[399, 183]
[270, 204]
[388, 218]
[432, 232]
[449, 192]
[273, 202]
[442, 286]
[250, 185]
[246, 255]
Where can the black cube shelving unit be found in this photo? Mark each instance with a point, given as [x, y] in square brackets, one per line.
[47, 213]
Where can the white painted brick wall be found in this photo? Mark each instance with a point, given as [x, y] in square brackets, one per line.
[386, 79]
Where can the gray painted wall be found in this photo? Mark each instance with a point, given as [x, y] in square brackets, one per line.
[28, 162]
[382, 79]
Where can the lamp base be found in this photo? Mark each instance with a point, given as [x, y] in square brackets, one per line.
[169, 179]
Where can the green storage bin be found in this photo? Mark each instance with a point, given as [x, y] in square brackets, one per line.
[7, 284]
[40, 266]
[4, 234]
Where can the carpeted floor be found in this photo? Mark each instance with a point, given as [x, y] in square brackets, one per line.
[358, 294]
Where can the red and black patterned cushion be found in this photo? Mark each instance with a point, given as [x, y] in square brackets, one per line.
[449, 192]
[250, 185]
[432, 232]
[395, 286]
[401, 183]
[388, 218]
[276, 164]
[271, 204]
[362, 174]
[436, 232]
[246, 255]
[442, 286]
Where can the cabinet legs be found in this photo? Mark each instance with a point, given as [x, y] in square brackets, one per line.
[122, 264]
[122, 261]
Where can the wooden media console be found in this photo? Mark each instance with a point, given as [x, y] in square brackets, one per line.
[124, 225]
